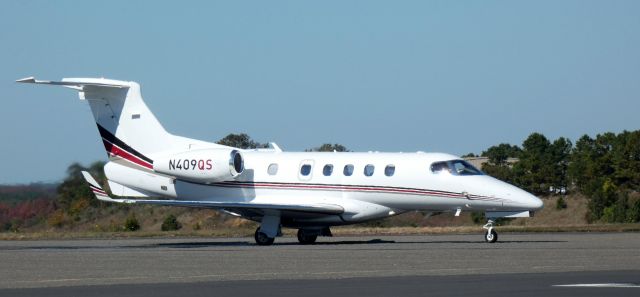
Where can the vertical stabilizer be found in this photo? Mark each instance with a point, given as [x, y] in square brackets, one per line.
[124, 120]
[128, 129]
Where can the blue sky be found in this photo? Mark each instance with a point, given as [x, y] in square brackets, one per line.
[450, 76]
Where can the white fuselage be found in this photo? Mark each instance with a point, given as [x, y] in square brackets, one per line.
[413, 185]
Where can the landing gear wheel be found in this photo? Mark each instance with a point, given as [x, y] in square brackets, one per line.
[491, 236]
[262, 239]
[305, 238]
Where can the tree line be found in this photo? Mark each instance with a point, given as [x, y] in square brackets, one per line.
[606, 169]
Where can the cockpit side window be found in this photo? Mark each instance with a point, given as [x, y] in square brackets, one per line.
[440, 167]
[455, 167]
[461, 167]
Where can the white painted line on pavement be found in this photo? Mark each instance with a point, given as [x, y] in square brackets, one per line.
[602, 285]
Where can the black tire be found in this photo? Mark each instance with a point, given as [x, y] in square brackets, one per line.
[262, 239]
[304, 238]
[491, 237]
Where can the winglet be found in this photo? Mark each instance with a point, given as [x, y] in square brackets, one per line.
[95, 187]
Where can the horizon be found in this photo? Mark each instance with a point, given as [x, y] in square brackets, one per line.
[478, 155]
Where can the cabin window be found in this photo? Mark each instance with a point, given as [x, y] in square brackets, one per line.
[273, 169]
[305, 170]
[327, 170]
[368, 170]
[348, 170]
[389, 170]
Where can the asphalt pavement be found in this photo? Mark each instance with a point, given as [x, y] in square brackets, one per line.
[553, 264]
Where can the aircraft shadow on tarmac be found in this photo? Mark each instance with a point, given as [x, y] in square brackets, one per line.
[187, 245]
[249, 243]
[330, 243]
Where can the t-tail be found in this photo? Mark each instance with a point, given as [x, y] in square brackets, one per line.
[129, 130]
[139, 148]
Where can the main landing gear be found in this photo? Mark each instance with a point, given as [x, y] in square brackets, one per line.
[490, 235]
[268, 230]
[262, 238]
[309, 235]
[306, 237]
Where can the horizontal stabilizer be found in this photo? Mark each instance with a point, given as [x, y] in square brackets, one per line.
[77, 83]
[95, 187]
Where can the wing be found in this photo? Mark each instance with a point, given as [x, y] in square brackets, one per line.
[318, 208]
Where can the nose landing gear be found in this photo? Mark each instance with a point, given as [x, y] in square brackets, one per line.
[490, 235]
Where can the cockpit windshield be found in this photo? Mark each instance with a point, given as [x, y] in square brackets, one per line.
[455, 167]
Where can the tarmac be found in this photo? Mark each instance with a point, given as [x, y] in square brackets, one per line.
[553, 264]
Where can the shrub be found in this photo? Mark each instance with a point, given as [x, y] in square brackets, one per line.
[633, 213]
[170, 223]
[478, 217]
[57, 219]
[131, 224]
[560, 203]
[618, 212]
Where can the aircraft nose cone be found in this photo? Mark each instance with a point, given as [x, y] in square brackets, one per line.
[534, 202]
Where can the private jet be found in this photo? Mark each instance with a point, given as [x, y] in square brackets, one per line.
[308, 191]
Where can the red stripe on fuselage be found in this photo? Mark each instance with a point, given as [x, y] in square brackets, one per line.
[391, 190]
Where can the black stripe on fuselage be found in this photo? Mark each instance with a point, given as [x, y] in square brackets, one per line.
[106, 135]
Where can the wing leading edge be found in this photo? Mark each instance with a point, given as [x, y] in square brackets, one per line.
[329, 209]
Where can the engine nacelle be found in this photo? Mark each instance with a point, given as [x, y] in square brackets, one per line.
[205, 165]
